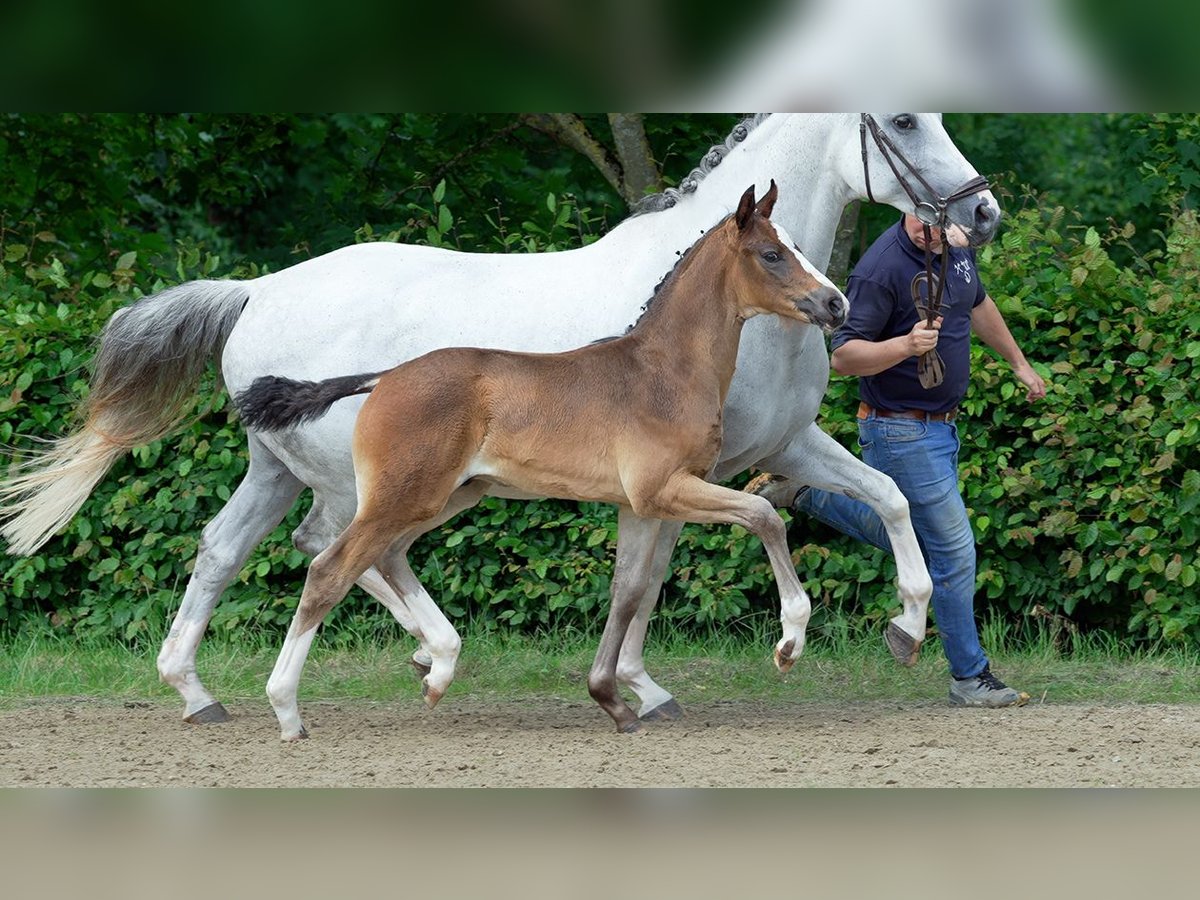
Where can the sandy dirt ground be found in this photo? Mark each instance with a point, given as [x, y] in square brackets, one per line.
[556, 743]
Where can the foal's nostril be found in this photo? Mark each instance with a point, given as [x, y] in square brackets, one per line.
[836, 306]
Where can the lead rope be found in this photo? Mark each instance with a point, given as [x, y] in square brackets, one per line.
[931, 370]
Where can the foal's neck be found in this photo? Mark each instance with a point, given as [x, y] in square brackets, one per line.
[693, 324]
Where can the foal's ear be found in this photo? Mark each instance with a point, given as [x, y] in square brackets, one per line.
[745, 209]
[767, 203]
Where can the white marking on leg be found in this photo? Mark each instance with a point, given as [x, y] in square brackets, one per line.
[177, 664]
[285, 681]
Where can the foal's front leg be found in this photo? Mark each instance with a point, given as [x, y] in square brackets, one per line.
[633, 556]
[693, 499]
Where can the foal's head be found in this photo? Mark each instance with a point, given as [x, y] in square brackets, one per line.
[768, 273]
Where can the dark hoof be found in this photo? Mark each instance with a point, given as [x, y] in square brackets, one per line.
[212, 714]
[630, 727]
[420, 668]
[668, 711]
[904, 648]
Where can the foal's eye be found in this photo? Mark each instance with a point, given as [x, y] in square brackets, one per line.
[772, 256]
[905, 122]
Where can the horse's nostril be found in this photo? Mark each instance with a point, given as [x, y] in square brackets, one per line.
[985, 216]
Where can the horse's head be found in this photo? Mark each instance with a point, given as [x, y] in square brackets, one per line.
[768, 273]
[909, 161]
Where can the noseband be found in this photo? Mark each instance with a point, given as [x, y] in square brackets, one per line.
[931, 212]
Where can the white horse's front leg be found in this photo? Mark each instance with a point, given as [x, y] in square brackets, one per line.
[817, 460]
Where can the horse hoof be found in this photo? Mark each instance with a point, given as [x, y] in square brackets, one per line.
[668, 711]
[783, 656]
[431, 695]
[212, 714]
[761, 482]
[630, 727]
[904, 647]
[301, 736]
[422, 669]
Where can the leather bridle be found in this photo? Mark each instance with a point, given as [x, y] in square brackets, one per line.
[931, 212]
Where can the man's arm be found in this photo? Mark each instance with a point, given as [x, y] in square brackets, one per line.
[862, 357]
[989, 324]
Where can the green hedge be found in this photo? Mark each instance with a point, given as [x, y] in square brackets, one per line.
[1084, 505]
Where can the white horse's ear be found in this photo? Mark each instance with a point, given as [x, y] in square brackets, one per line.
[745, 209]
[767, 203]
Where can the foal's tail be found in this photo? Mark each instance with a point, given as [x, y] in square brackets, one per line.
[146, 373]
[271, 402]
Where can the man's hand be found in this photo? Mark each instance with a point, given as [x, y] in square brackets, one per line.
[1032, 381]
[923, 337]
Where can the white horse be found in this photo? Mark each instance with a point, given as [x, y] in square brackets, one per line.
[369, 307]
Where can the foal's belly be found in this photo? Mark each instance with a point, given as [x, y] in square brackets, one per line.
[577, 479]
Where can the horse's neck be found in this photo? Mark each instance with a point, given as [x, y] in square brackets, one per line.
[801, 154]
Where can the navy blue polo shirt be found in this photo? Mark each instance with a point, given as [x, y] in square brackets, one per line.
[880, 291]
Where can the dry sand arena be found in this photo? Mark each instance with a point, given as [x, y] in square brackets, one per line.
[556, 743]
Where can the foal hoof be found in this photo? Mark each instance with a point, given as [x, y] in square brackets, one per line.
[668, 711]
[783, 656]
[212, 714]
[904, 647]
[631, 727]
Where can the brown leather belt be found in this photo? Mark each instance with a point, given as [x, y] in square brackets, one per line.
[865, 412]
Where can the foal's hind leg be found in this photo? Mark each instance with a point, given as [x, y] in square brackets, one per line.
[318, 531]
[329, 579]
[441, 639]
[258, 505]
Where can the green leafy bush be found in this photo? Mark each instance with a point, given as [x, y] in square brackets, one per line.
[1084, 505]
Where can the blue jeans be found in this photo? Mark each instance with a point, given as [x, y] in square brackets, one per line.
[922, 458]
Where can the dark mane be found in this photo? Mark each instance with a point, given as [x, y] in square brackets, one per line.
[681, 257]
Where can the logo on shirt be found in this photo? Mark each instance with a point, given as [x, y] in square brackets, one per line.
[962, 268]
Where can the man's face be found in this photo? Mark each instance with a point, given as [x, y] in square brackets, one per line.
[916, 233]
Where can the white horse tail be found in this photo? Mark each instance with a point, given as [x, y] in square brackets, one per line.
[145, 377]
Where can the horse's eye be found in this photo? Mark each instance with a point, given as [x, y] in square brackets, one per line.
[772, 256]
[904, 122]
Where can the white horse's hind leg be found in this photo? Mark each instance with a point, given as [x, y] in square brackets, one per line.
[655, 702]
[260, 502]
[817, 460]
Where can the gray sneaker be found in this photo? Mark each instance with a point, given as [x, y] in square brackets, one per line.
[984, 689]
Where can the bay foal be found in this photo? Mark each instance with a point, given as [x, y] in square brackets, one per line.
[634, 421]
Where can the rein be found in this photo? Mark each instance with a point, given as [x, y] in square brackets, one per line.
[930, 368]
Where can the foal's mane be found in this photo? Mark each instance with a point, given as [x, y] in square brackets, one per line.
[662, 282]
[711, 159]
